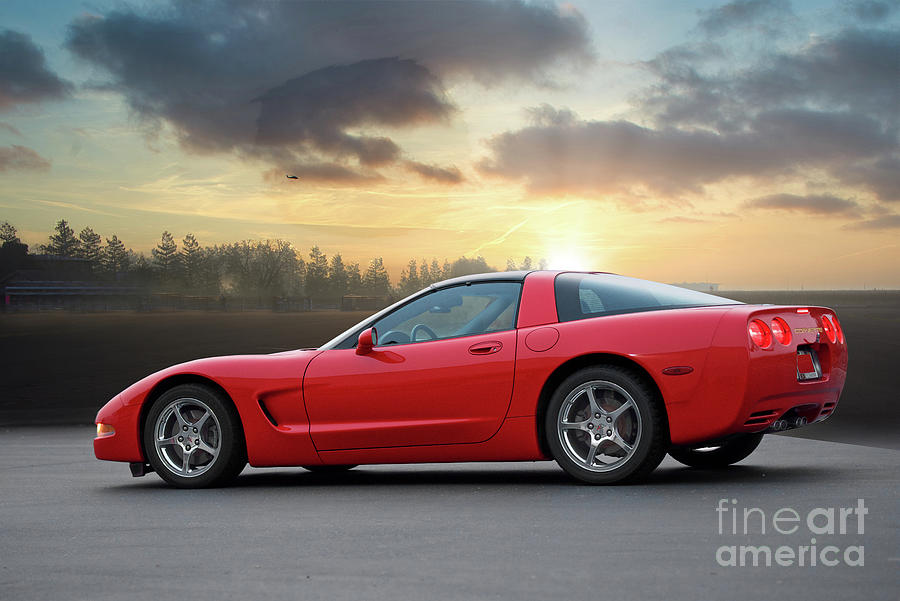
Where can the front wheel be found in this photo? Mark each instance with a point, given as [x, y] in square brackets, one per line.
[730, 451]
[605, 425]
[193, 437]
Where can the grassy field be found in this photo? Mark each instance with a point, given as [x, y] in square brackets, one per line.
[59, 368]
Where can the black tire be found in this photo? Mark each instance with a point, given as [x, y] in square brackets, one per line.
[328, 469]
[645, 430]
[220, 432]
[727, 453]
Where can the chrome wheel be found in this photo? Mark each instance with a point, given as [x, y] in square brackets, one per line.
[187, 437]
[599, 426]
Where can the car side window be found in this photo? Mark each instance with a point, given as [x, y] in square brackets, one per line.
[452, 312]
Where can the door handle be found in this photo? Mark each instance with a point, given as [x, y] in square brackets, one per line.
[485, 348]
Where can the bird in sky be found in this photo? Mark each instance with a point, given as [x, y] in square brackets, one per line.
[292, 177]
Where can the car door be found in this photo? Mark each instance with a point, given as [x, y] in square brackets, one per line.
[441, 372]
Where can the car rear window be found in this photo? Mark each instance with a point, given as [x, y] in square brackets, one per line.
[584, 295]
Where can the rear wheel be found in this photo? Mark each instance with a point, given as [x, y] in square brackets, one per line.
[729, 452]
[605, 425]
[193, 437]
[328, 469]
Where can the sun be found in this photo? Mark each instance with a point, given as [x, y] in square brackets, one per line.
[569, 258]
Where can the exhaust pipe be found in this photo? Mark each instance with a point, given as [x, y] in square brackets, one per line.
[779, 425]
[799, 422]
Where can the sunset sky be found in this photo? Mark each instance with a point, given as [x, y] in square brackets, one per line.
[753, 143]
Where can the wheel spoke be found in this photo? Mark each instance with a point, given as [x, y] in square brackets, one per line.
[199, 423]
[575, 425]
[179, 416]
[206, 448]
[164, 442]
[622, 409]
[592, 400]
[592, 450]
[617, 440]
[186, 462]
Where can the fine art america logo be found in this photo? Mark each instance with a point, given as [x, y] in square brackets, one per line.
[823, 532]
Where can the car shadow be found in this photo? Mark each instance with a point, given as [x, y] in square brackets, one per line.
[667, 476]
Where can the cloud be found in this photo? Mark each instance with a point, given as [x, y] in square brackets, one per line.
[309, 81]
[20, 158]
[724, 107]
[872, 11]
[817, 204]
[768, 15]
[24, 76]
[851, 70]
[881, 176]
[885, 222]
[317, 108]
[443, 175]
[10, 129]
[595, 158]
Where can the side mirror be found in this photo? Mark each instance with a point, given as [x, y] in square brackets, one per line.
[367, 339]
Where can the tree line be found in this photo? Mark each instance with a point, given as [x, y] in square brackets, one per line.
[249, 268]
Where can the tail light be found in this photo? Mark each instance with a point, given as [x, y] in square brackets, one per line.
[760, 333]
[828, 326]
[838, 329]
[781, 331]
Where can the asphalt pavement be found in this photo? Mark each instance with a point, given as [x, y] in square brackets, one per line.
[76, 528]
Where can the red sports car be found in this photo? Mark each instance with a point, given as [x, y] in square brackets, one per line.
[603, 373]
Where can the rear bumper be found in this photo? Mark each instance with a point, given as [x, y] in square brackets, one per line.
[748, 389]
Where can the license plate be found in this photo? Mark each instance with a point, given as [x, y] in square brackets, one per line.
[808, 367]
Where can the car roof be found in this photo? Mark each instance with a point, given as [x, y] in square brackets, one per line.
[500, 276]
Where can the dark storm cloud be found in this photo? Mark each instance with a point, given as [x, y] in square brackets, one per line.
[443, 175]
[769, 14]
[24, 76]
[602, 157]
[815, 204]
[318, 107]
[872, 11]
[20, 158]
[884, 222]
[263, 78]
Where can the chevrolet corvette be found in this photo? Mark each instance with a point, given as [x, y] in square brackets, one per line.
[602, 373]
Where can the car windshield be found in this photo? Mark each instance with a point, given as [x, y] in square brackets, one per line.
[585, 295]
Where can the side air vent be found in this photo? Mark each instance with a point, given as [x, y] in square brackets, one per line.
[268, 415]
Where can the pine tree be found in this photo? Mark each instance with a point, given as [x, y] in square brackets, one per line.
[8, 233]
[317, 273]
[90, 247]
[376, 281]
[337, 277]
[409, 278]
[354, 279]
[63, 243]
[165, 257]
[425, 278]
[114, 257]
[191, 259]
